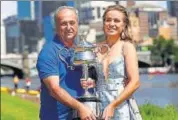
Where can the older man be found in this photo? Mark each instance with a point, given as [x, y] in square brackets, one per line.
[60, 85]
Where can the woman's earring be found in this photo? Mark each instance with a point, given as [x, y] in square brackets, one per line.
[123, 35]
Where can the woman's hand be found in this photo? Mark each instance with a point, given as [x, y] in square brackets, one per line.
[90, 83]
[108, 112]
[86, 113]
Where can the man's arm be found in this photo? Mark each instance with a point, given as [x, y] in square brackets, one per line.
[52, 83]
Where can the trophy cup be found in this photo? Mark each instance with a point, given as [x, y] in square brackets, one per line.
[84, 56]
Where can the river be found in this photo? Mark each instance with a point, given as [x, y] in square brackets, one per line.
[157, 89]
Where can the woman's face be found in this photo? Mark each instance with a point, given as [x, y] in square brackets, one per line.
[114, 23]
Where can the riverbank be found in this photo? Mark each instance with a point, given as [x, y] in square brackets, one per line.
[19, 107]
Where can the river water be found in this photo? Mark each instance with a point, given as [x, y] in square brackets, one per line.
[157, 89]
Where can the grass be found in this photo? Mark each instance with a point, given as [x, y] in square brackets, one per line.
[153, 112]
[15, 108]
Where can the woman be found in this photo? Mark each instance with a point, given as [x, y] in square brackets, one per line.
[118, 76]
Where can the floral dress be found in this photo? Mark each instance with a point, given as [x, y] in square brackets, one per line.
[108, 90]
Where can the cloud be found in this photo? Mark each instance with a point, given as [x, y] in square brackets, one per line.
[8, 8]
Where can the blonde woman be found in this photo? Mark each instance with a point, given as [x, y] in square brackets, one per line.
[118, 75]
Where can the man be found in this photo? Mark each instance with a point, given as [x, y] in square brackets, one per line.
[60, 85]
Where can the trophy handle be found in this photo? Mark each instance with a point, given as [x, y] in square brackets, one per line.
[63, 59]
[100, 47]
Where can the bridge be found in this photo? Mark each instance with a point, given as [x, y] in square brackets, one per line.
[17, 67]
[144, 58]
[15, 64]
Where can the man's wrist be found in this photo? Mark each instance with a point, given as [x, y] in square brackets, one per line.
[78, 106]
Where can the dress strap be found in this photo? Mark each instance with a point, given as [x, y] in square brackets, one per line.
[122, 49]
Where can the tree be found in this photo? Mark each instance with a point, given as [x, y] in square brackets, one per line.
[163, 49]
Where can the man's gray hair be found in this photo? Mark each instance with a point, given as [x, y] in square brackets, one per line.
[62, 8]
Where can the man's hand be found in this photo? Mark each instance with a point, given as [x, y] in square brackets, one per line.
[86, 113]
[90, 83]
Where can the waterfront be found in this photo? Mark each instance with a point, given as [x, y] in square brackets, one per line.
[157, 89]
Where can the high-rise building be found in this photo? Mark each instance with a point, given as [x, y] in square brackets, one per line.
[3, 40]
[29, 35]
[143, 22]
[25, 10]
[12, 34]
[21, 34]
[172, 22]
[135, 27]
[168, 28]
[149, 17]
[172, 7]
[92, 11]
[34, 20]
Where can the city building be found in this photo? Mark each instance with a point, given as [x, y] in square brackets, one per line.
[149, 17]
[25, 10]
[21, 34]
[29, 35]
[135, 27]
[3, 40]
[92, 11]
[12, 34]
[172, 7]
[22, 30]
[165, 30]
[34, 21]
[173, 23]
[168, 28]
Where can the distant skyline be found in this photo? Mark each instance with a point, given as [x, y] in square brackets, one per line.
[9, 8]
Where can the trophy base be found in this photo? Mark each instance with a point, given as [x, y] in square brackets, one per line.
[92, 102]
[96, 118]
[88, 99]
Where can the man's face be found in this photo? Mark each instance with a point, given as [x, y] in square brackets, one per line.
[67, 25]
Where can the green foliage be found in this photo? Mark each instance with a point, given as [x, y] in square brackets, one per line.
[153, 112]
[163, 49]
[15, 108]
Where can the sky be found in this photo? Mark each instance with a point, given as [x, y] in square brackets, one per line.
[10, 7]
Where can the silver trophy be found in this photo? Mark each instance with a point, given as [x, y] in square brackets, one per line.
[85, 56]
